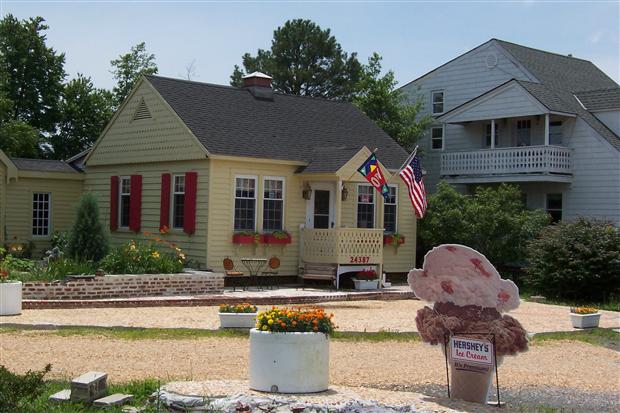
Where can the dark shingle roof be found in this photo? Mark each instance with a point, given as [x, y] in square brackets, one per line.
[546, 96]
[42, 165]
[329, 159]
[230, 121]
[603, 99]
[565, 76]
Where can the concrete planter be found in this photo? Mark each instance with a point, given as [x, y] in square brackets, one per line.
[237, 320]
[11, 298]
[366, 284]
[585, 320]
[289, 362]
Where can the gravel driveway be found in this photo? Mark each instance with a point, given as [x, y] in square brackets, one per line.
[350, 316]
[571, 373]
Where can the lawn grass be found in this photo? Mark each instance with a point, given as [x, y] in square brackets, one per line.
[141, 390]
[604, 337]
[611, 305]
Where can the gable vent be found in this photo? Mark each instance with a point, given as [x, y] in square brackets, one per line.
[142, 112]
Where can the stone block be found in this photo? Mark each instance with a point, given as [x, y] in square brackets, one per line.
[61, 396]
[116, 399]
[89, 386]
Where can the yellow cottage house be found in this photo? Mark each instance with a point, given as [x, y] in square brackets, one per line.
[217, 164]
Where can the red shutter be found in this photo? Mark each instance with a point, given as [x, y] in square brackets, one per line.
[164, 206]
[189, 212]
[135, 202]
[113, 203]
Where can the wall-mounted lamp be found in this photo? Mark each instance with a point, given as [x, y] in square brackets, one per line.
[345, 193]
[307, 191]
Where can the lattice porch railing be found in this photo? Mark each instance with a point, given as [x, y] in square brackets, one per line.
[343, 246]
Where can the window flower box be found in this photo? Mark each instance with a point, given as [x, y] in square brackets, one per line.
[278, 237]
[10, 297]
[393, 239]
[585, 317]
[247, 238]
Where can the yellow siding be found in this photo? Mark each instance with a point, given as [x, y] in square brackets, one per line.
[98, 182]
[163, 137]
[220, 244]
[64, 198]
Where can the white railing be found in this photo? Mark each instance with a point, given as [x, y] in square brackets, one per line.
[342, 246]
[524, 159]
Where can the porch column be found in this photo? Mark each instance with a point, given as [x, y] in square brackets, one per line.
[380, 223]
[546, 129]
[339, 187]
[492, 133]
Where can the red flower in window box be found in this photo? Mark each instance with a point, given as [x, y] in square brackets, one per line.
[278, 237]
[394, 239]
[247, 237]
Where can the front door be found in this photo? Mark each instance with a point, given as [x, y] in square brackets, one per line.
[320, 207]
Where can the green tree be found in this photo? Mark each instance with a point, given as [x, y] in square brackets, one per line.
[128, 68]
[33, 72]
[382, 102]
[493, 221]
[305, 60]
[88, 240]
[84, 112]
[18, 139]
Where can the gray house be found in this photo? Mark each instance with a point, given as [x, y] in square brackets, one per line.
[508, 113]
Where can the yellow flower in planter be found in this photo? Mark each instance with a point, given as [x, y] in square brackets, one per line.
[155, 254]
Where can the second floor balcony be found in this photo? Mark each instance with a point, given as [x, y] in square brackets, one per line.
[544, 163]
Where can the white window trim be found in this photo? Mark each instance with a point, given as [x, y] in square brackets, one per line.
[256, 198]
[396, 205]
[374, 203]
[172, 194]
[443, 137]
[274, 178]
[484, 140]
[49, 216]
[120, 197]
[443, 101]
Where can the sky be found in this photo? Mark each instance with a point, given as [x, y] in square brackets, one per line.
[413, 37]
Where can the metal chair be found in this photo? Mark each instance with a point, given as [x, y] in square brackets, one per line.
[273, 264]
[229, 267]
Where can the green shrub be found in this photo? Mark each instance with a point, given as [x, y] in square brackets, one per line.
[11, 263]
[17, 390]
[577, 261]
[141, 258]
[63, 266]
[493, 221]
[60, 239]
[88, 240]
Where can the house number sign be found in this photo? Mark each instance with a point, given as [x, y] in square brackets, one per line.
[359, 260]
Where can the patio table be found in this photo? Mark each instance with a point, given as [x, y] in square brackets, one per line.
[254, 265]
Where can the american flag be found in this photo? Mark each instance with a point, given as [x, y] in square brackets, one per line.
[412, 175]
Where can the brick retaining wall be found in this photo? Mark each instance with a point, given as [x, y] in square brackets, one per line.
[126, 286]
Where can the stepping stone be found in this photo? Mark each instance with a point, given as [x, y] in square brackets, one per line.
[61, 396]
[89, 386]
[116, 399]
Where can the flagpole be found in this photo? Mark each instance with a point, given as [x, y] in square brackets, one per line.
[415, 150]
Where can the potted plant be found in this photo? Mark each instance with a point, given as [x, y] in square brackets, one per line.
[10, 294]
[237, 316]
[394, 239]
[246, 237]
[278, 237]
[289, 350]
[585, 317]
[366, 280]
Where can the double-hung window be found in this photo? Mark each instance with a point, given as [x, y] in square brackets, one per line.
[524, 132]
[365, 206]
[554, 206]
[390, 210]
[123, 205]
[40, 214]
[178, 201]
[245, 203]
[437, 137]
[273, 204]
[487, 135]
[437, 101]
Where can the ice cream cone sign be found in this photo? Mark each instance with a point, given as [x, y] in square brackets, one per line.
[467, 297]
